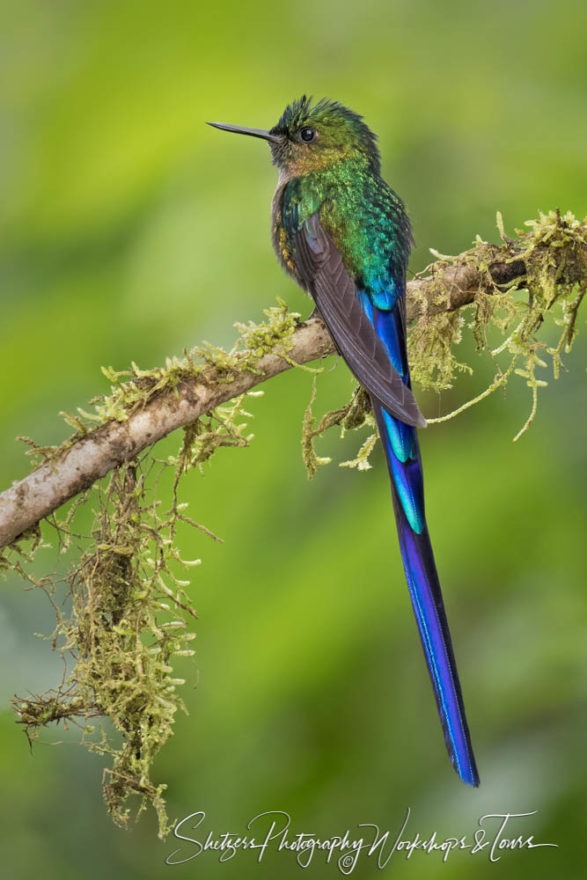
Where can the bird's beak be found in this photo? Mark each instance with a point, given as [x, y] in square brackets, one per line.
[252, 132]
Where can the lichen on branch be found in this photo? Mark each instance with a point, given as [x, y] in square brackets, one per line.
[526, 291]
[126, 626]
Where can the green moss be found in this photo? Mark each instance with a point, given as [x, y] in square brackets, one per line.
[355, 414]
[128, 622]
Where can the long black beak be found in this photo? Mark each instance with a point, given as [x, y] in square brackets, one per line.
[253, 132]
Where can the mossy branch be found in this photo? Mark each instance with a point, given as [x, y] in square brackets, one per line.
[550, 261]
[129, 611]
[146, 408]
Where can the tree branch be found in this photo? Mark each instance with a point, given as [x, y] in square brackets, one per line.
[459, 285]
[45, 489]
[450, 284]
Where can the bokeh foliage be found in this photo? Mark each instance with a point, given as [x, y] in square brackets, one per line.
[130, 231]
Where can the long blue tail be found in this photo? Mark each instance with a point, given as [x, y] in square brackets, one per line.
[402, 452]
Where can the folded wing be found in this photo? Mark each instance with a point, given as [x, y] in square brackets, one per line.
[320, 265]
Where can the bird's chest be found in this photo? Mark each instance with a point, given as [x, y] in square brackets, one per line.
[294, 202]
[282, 232]
[355, 222]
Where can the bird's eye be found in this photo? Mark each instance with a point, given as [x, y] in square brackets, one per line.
[307, 134]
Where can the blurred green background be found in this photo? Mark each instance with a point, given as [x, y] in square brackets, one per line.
[130, 230]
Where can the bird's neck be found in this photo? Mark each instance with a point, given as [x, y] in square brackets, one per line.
[340, 167]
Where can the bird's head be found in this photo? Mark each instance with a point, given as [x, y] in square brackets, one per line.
[312, 137]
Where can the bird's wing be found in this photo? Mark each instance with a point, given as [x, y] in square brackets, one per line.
[320, 265]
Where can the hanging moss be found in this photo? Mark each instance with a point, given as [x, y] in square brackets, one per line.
[541, 302]
[554, 254]
[129, 613]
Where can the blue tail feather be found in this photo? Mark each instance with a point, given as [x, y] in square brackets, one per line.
[402, 452]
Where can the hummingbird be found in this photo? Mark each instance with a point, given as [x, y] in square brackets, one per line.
[344, 235]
